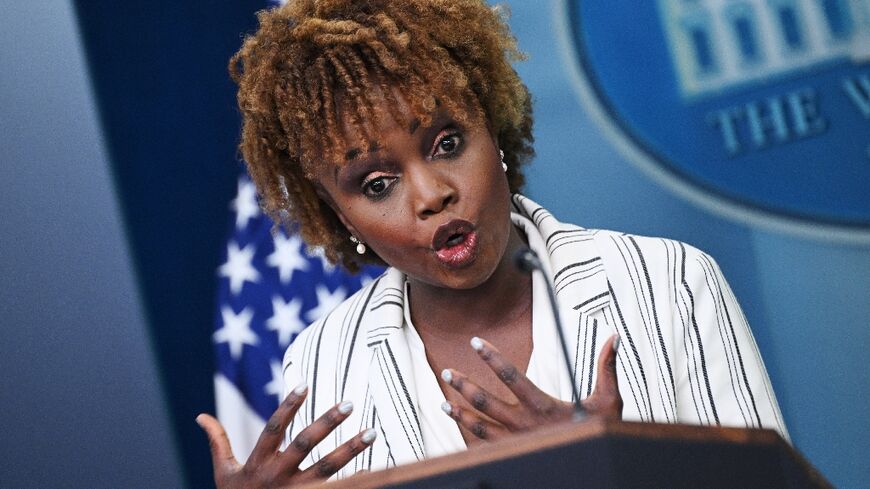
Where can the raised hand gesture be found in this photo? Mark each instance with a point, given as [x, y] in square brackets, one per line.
[493, 418]
[268, 466]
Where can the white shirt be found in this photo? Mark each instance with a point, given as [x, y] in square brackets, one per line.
[440, 432]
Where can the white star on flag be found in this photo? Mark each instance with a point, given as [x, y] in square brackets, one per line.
[285, 319]
[326, 302]
[287, 257]
[245, 203]
[275, 386]
[262, 282]
[236, 330]
[238, 267]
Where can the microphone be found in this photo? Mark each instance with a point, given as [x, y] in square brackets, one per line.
[528, 261]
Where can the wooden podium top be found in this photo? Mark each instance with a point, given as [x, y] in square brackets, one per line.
[552, 438]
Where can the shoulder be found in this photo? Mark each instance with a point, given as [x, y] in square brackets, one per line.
[650, 255]
[653, 271]
[631, 263]
[346, 328]
[610, 241]
[664, 279]
[330, 335]
[606, 243]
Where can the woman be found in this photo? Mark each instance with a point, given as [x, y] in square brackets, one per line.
[395, 132]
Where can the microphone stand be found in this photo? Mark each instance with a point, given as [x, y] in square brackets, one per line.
[528, 261]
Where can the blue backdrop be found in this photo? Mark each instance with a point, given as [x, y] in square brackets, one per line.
[119, 130]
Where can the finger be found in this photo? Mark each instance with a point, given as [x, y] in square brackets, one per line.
[476, 425]
[314, 434]
[526, 391]
[606, 377]
[338, 458]
[482, 400]
[221, 453]
[273, 433]
[606, 400]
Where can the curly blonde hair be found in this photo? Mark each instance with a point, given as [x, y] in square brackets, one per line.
[454, 54]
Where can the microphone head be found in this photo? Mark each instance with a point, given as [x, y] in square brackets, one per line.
[527, 260]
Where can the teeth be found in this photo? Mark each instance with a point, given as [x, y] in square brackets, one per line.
[455, 239]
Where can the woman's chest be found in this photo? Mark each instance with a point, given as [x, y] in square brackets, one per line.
[470, 370]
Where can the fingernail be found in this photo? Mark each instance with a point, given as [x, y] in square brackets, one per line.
[616, 343]
[369, 436]
[445, 406]
[476, 344]
[198, 417]
[345, 407]
[301, 388]
[446, 375]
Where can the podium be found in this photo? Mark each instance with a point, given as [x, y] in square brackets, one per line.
[598, 453]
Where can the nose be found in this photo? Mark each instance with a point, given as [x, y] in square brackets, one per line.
[433, 191]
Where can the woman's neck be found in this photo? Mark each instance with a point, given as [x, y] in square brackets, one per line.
[505, 295]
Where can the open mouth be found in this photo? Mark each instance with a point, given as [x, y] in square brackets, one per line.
[455, 243]
[455, 239]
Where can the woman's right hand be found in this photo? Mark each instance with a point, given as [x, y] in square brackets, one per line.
[268, 466]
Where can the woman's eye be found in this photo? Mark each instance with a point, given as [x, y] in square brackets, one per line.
[448, 144]
[377, 186]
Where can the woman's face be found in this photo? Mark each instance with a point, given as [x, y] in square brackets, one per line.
[432, 201]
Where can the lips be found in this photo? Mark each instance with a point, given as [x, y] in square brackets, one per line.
[455, 243]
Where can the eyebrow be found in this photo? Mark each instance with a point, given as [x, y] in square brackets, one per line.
[354, 153]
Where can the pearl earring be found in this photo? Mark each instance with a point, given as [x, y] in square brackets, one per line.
[360, 247]
[503, 164]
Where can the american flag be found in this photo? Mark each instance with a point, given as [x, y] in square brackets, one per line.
[270, 288]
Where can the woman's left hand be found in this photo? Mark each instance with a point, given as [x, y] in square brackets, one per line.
[493, 418]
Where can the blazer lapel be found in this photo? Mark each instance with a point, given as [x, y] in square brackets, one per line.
[391, 379]
[579, 279]
[581, 291]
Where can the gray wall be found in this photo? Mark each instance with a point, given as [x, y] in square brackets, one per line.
[81, 404]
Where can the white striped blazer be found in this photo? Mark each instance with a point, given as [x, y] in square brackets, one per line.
[687, 353]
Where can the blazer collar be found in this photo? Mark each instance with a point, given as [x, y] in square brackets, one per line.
[391, 375]
[577, 270]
